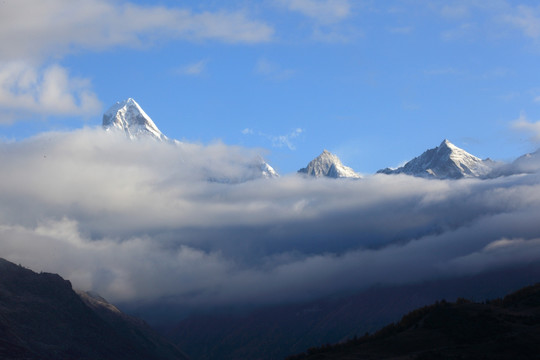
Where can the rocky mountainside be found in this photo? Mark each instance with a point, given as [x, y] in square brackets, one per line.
[129, 117]
[445, 161]
[329, 165]
[41, 317]
[507, 328]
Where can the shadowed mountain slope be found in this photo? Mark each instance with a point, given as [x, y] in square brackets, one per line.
[41, 317]
[274, 332]
[507, 328]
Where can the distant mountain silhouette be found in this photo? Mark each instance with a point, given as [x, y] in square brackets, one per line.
[507, 328]
[41, 317]
[274, 332]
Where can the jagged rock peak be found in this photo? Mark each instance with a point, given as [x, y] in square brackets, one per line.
[446, 161]
[129, 117]
[329, 165]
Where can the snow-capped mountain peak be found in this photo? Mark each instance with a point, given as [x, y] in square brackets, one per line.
[129, 117]
[329, 165]
[446, 161]
[267, 171]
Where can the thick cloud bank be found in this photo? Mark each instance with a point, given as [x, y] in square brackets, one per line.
[139, 221]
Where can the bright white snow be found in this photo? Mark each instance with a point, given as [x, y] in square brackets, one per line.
[446, 161]
[329, 165]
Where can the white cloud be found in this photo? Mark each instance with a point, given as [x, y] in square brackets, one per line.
[522, 123]
[136, 221]
[272, 70]
[34, 31]
[525, 18]
[323, 11]
[37, 29]
[401, 30]
[455, 11]
[462, 31]
[278, 141]
[25, 90]
[287, 139]
[194, 69]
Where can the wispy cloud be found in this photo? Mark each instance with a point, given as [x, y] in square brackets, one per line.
[272, 70]
[525, 18]
[328, 18]
[459, 32]
[193, 69]
[38, 29]
[456, 11]
[401, 30]
[34, 31]
[287, 139]
[522, 123]
[278, 141]
[323, 11]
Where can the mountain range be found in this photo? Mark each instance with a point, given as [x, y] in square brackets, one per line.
[42, 317]
[273, 332]
[129, 118]
[445, 161]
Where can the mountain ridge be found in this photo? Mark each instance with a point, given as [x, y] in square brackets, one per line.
[129, 117]
[42, 317]
[503, 328]
[328, 165]
[445, 161]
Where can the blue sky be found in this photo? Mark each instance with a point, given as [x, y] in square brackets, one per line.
[376, 82]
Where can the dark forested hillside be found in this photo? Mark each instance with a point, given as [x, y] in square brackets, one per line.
[275, 332]
[507, 328]
[41, 317]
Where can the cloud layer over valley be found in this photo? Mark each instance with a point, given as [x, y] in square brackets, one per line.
[139, 221]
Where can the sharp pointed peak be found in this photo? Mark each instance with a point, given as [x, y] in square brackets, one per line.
[131, 102]
[328, 164]
[327, 153]
[446, 142]
[127, 115]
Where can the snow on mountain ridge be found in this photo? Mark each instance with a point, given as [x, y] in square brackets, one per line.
[329, 165]
[446, 161]
[268, 172]
[129, 117]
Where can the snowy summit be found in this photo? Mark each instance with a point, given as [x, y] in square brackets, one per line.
[129, 117]
[329, 165]
[446, 161]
